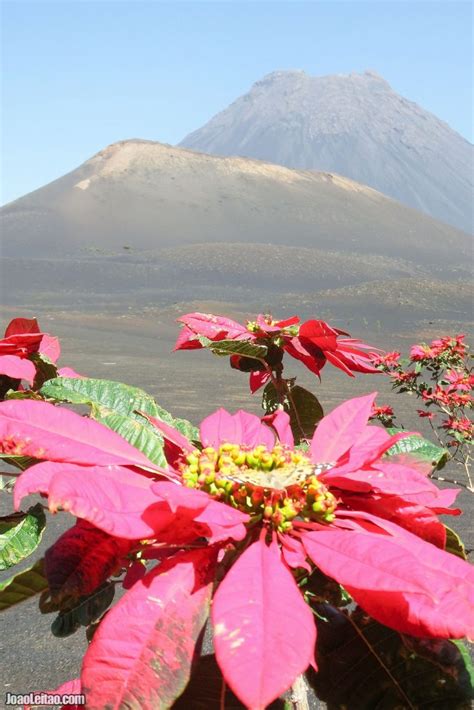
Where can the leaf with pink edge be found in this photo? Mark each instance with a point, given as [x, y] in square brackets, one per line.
[141, 654]
[264, 632]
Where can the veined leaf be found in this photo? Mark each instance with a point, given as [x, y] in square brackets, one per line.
[20, 535]
[116, 396]
[22, 586]
[188, 430]
[84, 611]
[238, 347]
[137, 432]
[363, 664]
[420, 448]
[106, 398]
[303, 407]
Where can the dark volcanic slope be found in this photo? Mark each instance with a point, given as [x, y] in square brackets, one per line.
[356, 126]
[149, 196]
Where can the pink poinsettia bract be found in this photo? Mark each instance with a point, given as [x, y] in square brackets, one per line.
[236, 520]
[314, 343]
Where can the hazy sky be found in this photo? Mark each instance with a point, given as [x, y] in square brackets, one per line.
[79, 75]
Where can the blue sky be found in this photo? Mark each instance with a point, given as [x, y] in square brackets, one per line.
[79, 75]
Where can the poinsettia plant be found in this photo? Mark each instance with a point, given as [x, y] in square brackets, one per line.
[240, 527]
[441, 377]
[28, 356]
[258, 347]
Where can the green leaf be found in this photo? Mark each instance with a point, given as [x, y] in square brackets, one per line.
[303, 407]
[84, 611]
[238, 347]
[20, 535]
[363, 664]
[25, 394]
[182, 425]
[454, 544]
[137, 432]
[21, 462]
[420, 448]
[122, 399]
[118, 407]
[22, 586]
[467, 659]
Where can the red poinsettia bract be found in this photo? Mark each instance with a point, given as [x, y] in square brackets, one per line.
[313, 342]
[22, 340]
[248, 511]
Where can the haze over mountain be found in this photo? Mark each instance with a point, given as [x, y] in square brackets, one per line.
[146, 222]
[355, 125]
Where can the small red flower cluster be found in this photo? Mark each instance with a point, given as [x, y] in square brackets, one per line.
[440, 376]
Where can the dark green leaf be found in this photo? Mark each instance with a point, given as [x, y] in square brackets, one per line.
[45, 369]
[22, 586]
[420, 448]
[238, 347]
[303, 407]
[20, 535]
[363, 665]
[84, 611]
[21, 462]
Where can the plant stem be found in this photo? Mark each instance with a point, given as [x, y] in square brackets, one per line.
[299, 694]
